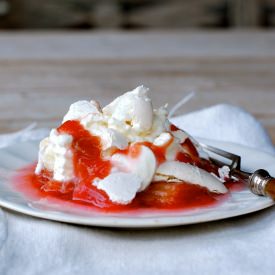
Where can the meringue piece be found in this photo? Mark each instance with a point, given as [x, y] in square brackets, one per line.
[172, 151]
[175, 170]
[120, 187]
[180, 135]
[55, 155]
[143, 165]
[133, 108]
[224, 173]
[80, 109]
[160, 122]
[163, 139]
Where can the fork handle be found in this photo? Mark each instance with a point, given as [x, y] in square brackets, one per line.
[261, 183]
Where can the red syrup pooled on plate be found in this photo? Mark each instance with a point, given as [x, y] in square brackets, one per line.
[88, 164]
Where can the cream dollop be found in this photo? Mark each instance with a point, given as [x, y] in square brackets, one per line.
[144, 165]
[133, 108]
[55, 155]
[80, 109]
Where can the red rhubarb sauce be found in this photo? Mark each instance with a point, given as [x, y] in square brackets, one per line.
[89, 164]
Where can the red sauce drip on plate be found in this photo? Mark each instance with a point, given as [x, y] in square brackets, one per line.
[158, 196]
[174, 128]
[159, 151]
[89, 164]
[189, 147]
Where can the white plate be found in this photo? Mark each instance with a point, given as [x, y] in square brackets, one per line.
[16, 156]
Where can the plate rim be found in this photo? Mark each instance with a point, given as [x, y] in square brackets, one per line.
[124, 222]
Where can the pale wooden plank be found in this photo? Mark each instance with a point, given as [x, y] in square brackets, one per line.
[135, 45]
[44, 91]
[40, 88]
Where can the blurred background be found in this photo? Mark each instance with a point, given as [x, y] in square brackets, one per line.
[136, 14]
[223, 50]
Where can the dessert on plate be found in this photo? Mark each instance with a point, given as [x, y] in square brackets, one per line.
[126, 155]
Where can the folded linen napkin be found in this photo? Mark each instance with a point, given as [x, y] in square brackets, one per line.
[226, 122]
[243, 245]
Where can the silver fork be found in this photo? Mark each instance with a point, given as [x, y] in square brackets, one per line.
[260, 182]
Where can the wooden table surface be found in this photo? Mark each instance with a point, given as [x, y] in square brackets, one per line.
[41, 73]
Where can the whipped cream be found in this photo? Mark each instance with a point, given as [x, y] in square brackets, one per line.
[55, 155]
[80, 109]
[144, 165]
[133, 108]
[123, 123]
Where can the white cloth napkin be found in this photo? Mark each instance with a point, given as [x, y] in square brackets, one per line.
[226, 122]
[242, 245]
